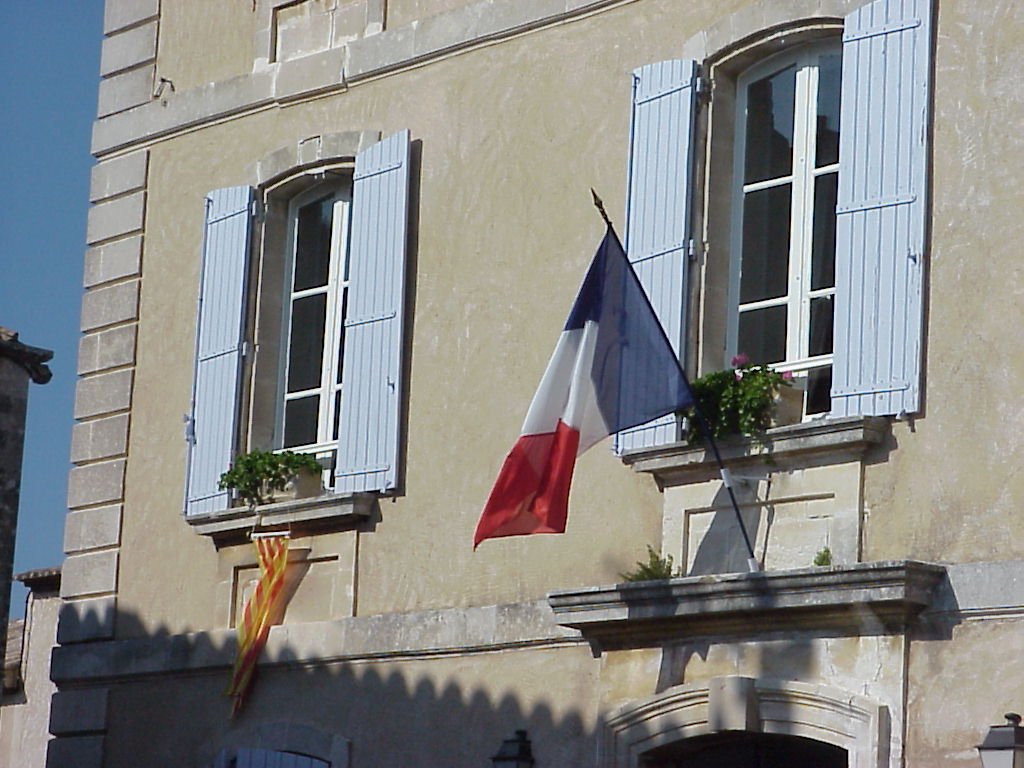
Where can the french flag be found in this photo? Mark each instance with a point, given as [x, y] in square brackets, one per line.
[613, 368]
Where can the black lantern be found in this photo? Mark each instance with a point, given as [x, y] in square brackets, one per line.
[1004, 744]
[515, 752]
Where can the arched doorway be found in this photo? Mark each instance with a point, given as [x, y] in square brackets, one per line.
[739, 749]
[741, 722]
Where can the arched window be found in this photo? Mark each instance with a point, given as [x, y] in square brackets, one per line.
[786, 167]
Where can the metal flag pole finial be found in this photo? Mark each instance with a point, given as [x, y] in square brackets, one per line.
[599, 204]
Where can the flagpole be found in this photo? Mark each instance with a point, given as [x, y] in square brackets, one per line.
[752, 564]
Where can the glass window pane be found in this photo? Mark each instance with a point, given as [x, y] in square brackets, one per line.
[821, 326]
[313, 244]
[337, 415]
[819, 390]
[341, 334]
[306, 347]
[769, 133]
[823, 247]
[300, 419]
[765, 261]
[762, 335]
[830, 67]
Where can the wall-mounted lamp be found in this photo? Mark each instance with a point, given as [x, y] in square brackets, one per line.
[1004, 744]
[516, 752]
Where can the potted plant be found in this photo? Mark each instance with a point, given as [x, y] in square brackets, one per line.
[743, 400]
[262, 477]
[656, 568]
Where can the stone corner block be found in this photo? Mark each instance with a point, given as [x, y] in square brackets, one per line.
[117, 217]
[128, 49]
[103, 393]
[75, 752]
[83, 620]
[125, 90]
[91, 573]
[125, 13]
[110, 305]
[78, 711]
[118, 175]
[96, 483]
[104, 438]
[121, 258]
[92, 529]
[106, 349]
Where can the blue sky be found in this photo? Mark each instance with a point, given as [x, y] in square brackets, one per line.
[49, 56]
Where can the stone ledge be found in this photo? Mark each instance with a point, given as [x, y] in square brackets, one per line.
[331, 510]
[790, 447]
[446, 631]
[412, 44]
[862, 599]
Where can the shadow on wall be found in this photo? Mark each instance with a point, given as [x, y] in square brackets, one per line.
[391, 710]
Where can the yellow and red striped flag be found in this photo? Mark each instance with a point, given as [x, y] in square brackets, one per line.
[261, 610]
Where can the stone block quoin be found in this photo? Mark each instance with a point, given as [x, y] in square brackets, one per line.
[110, 313]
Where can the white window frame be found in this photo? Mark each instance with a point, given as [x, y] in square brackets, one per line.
[335, 289]
[799, 295]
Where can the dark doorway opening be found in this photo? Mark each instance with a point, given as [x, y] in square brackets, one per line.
[739, 749]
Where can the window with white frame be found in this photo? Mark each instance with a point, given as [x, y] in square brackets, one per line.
[787, 175]
[313, 321]
[786, 168]
[302, 294]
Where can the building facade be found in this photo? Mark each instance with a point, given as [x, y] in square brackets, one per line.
[27, 691]
[354, 229]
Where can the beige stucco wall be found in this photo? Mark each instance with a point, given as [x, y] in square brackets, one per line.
[207, 42]
[24, 714]
[440, 711]
[495, 273]
[964, 679]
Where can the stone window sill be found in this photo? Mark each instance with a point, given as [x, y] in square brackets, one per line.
[311, 514]
[824, 441]
[862, 599]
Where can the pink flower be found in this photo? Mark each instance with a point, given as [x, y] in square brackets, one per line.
[740, 360]
[787, 375]
[739, 375]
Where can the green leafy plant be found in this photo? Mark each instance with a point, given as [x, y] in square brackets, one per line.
[824, 557]
[736, 401]
[656, 567]
[256, 475]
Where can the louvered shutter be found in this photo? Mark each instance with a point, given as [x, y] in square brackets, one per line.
[371, 400]
[658, 212]
[213, 421]
[882, 208]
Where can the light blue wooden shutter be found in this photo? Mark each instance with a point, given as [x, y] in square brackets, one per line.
[371, 399]
[882, 208]
[658, 211]
[213, 421]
